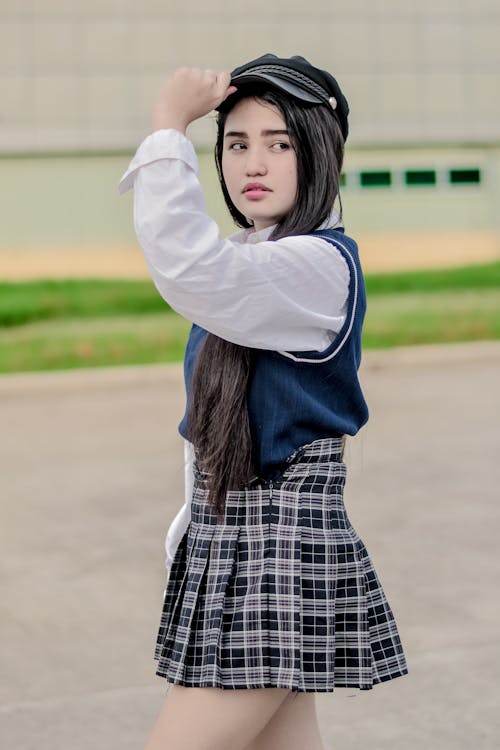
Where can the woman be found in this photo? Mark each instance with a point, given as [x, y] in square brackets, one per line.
[271, 595]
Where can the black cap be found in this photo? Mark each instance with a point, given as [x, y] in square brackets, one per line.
[298, 78]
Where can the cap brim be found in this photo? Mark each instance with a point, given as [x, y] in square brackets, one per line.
[275, 81]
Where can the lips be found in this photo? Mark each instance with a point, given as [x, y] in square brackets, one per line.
[254, 190]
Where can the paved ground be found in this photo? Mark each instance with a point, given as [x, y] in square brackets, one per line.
[92, 475]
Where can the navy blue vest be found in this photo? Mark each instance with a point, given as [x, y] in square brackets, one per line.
[296, 397]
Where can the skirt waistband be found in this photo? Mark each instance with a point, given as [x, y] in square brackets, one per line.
[318, 451]
[322, 449]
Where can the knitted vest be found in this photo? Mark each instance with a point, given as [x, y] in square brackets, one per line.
[296, 397]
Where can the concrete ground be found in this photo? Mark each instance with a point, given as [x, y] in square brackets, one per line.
[92, 474]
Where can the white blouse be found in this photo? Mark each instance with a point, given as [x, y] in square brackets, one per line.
[284, 295]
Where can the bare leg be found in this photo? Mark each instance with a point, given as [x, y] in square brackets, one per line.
[212, 718]
[294, 726]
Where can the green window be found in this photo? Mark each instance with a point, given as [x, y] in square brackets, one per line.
[465, 176]
[420, 177]
[375, 179]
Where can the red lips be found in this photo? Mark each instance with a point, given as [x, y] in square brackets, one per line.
[257, 186]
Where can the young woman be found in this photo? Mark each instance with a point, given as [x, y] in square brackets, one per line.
[271, 594]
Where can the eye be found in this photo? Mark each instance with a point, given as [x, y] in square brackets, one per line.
[238, 146]
[280, 146]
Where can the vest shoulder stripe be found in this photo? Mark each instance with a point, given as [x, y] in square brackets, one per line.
[337, 345]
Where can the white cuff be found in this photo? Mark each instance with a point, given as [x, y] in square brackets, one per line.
[179, 525]
[162, 144]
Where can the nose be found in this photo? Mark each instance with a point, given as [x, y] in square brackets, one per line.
[255, 162]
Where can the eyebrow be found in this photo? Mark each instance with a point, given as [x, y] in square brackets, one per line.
[242, 134]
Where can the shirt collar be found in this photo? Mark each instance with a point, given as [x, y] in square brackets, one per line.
[250, 235]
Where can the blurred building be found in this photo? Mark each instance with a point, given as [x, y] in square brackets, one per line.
[422, 168]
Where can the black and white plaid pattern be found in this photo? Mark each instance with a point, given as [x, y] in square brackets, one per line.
[283, 593]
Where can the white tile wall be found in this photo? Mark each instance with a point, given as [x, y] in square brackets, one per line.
[16, 47]
[87, 73]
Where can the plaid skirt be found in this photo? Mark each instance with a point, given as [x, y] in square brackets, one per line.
[282, 593]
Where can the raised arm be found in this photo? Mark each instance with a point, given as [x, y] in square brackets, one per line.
[288, 294]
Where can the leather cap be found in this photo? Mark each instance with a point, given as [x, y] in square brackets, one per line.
[295, 76]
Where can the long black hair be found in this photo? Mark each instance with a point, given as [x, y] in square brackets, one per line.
[218, 421]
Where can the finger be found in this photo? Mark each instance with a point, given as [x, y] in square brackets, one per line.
[230, 91]
[225, 77]
[223, 84]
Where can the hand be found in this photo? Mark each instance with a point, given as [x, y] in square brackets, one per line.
[189, 93]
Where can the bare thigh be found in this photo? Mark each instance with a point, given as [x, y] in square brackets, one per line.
[294, 726]
[212, 718]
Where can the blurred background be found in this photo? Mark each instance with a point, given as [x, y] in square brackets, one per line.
[421, 182]
[92, 467]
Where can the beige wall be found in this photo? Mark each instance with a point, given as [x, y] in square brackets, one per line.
[83, 74]
[63, 216]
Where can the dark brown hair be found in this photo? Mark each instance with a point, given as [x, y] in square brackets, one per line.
[218, 418]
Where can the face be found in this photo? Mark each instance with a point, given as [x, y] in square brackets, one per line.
[259, 163]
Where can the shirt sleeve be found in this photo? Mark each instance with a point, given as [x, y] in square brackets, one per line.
[181, 521]
[288, 294]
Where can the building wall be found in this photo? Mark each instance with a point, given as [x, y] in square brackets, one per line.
[83, 74]
[62, 216]
[81, 77]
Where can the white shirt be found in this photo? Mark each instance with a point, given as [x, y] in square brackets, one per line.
[284, 295]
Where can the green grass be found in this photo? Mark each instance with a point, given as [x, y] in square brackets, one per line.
[65, 344]
[28, 301]
[52, 324]
[486, 276]
[431, 318]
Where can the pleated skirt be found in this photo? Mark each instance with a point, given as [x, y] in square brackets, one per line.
[282, 593]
